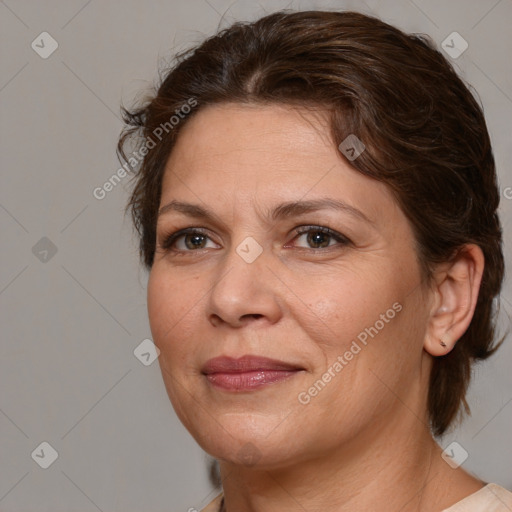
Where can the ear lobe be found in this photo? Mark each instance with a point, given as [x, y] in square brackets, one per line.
[441, 346]
[456, 293]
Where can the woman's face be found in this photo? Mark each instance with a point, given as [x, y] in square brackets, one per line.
[345, 310]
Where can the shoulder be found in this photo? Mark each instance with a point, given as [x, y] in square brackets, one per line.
[214, 505]
[491, 498]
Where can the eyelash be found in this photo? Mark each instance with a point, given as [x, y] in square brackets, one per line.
[171, 239]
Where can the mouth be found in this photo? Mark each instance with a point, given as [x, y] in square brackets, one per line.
[247, 373]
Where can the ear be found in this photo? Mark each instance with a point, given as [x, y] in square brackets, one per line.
[456, 288]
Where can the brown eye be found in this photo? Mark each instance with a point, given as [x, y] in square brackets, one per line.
[320, 237]
[193, 239]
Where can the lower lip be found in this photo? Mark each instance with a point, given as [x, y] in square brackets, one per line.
[248, 380]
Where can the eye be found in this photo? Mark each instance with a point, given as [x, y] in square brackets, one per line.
[320, 237]
[192, 238]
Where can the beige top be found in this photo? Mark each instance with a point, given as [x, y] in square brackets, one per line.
[491, 498]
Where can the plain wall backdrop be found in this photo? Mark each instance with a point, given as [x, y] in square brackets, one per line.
[72, 293]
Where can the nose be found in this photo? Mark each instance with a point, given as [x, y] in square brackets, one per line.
[244, 293]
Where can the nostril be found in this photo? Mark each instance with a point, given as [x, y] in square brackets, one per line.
[252, 315]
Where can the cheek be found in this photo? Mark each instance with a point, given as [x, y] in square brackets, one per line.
[359, 323]
[159, 302]
[166, 308]
[365, 324]
[174, 305]
[357, 306]
[167, 312]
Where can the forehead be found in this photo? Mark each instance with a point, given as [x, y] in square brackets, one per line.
[261, 153]
[220, 136]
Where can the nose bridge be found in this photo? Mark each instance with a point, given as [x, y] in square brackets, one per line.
[245, 286]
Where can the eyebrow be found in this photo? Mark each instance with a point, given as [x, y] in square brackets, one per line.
[281, 211]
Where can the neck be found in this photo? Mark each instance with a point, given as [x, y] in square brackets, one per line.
[397, 468]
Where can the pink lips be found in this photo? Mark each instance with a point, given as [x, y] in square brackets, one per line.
[247, 372]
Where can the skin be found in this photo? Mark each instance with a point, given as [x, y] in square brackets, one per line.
[363, 442]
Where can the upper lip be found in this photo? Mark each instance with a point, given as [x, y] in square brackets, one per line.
[248, 363]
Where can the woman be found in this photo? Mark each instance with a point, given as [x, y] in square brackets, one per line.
[316, 202]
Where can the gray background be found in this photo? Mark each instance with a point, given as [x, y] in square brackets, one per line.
[71, 320]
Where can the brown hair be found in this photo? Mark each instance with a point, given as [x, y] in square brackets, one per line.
[425, 138]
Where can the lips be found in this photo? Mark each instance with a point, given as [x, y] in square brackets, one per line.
[247, 373]
[224, 364]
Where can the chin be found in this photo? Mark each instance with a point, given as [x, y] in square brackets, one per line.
[252, 443]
